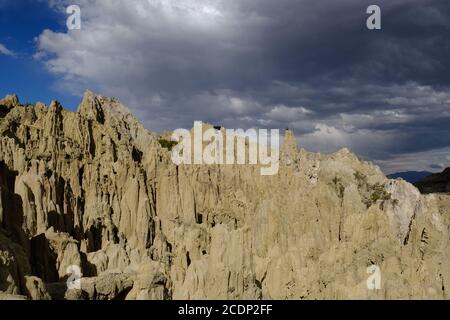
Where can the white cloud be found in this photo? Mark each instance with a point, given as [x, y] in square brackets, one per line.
[285, 113]
[235, 63]
[328, 139]
[420, 98]
[4, 50]
[138, 49]
[418, 161]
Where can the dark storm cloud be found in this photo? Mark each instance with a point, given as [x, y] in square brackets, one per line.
[436, 166]
[309, 65]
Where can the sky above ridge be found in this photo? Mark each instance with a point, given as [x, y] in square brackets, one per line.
[308, 65]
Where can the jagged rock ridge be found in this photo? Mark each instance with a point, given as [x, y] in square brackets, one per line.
[94, 188]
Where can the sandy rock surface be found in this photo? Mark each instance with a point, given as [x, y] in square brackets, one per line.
[95, 189]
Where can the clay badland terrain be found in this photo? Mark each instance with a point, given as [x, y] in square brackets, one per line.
[95, 189]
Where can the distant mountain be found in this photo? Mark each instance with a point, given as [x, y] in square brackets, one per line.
[410, 176]
[436, 183]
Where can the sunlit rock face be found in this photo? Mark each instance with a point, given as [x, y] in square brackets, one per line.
[95, 189]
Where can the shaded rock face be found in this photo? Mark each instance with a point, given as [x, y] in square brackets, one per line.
[435, 183]
[94, 189]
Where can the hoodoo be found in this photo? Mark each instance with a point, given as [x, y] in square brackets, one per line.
[96, 190]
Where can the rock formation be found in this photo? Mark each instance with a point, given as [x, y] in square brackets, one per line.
[435, 183]
[95, 189]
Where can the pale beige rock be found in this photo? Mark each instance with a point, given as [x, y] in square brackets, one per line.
[14, 265]
[36, 289]
[10, 297]
[10, 101]
[95, 189]
[107, 286]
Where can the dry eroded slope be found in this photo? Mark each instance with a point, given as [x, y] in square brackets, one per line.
[94, 188]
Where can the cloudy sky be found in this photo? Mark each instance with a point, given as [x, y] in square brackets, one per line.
[309, 65]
